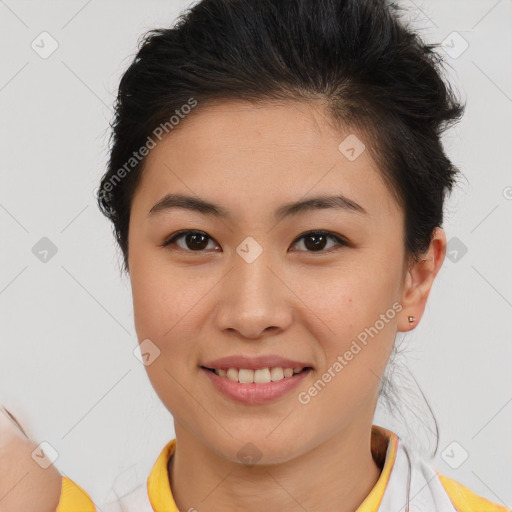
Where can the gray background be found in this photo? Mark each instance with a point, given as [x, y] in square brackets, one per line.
[67, 367]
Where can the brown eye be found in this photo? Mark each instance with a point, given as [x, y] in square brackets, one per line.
[193, 241]
[316, 241]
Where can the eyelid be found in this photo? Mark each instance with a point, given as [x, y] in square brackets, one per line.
[339, 238]
[172, 238]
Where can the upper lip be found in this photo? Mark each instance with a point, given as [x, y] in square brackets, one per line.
[254, 363]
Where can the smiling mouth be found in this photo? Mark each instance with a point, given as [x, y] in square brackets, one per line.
[259, 376]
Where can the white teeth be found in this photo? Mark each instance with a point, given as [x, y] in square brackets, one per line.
[232, 374]
[276, 374]
[245, 376]
[261, 376]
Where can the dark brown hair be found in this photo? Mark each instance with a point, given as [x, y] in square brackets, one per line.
[369, 69]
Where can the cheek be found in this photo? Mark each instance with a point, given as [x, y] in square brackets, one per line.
[159, 296]
[358, 308]
[358, 315]
[163, 311]
[166, 305]
[147, 308]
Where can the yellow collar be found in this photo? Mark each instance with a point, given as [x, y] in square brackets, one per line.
[383, 444]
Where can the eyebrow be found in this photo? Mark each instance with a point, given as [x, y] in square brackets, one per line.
[339, 202]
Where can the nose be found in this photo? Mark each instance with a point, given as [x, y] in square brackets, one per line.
[254, 301]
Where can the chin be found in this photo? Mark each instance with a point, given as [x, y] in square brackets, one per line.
[256, 450]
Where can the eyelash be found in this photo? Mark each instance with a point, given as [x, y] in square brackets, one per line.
[172, 239]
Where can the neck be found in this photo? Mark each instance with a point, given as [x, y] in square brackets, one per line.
[338, 474]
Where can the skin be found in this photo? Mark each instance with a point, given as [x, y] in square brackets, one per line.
[24, 484]
[291, 301]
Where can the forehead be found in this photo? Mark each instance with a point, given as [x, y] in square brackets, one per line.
[270, 152]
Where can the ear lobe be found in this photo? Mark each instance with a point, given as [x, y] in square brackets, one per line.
[419, 280]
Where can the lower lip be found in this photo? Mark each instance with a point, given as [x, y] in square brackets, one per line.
[253, 394]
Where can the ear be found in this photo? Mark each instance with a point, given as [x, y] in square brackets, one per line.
[419, 280]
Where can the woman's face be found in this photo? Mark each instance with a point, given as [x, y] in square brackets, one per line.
[254, 286]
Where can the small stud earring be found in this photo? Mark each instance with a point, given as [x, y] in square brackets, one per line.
[412, 319]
